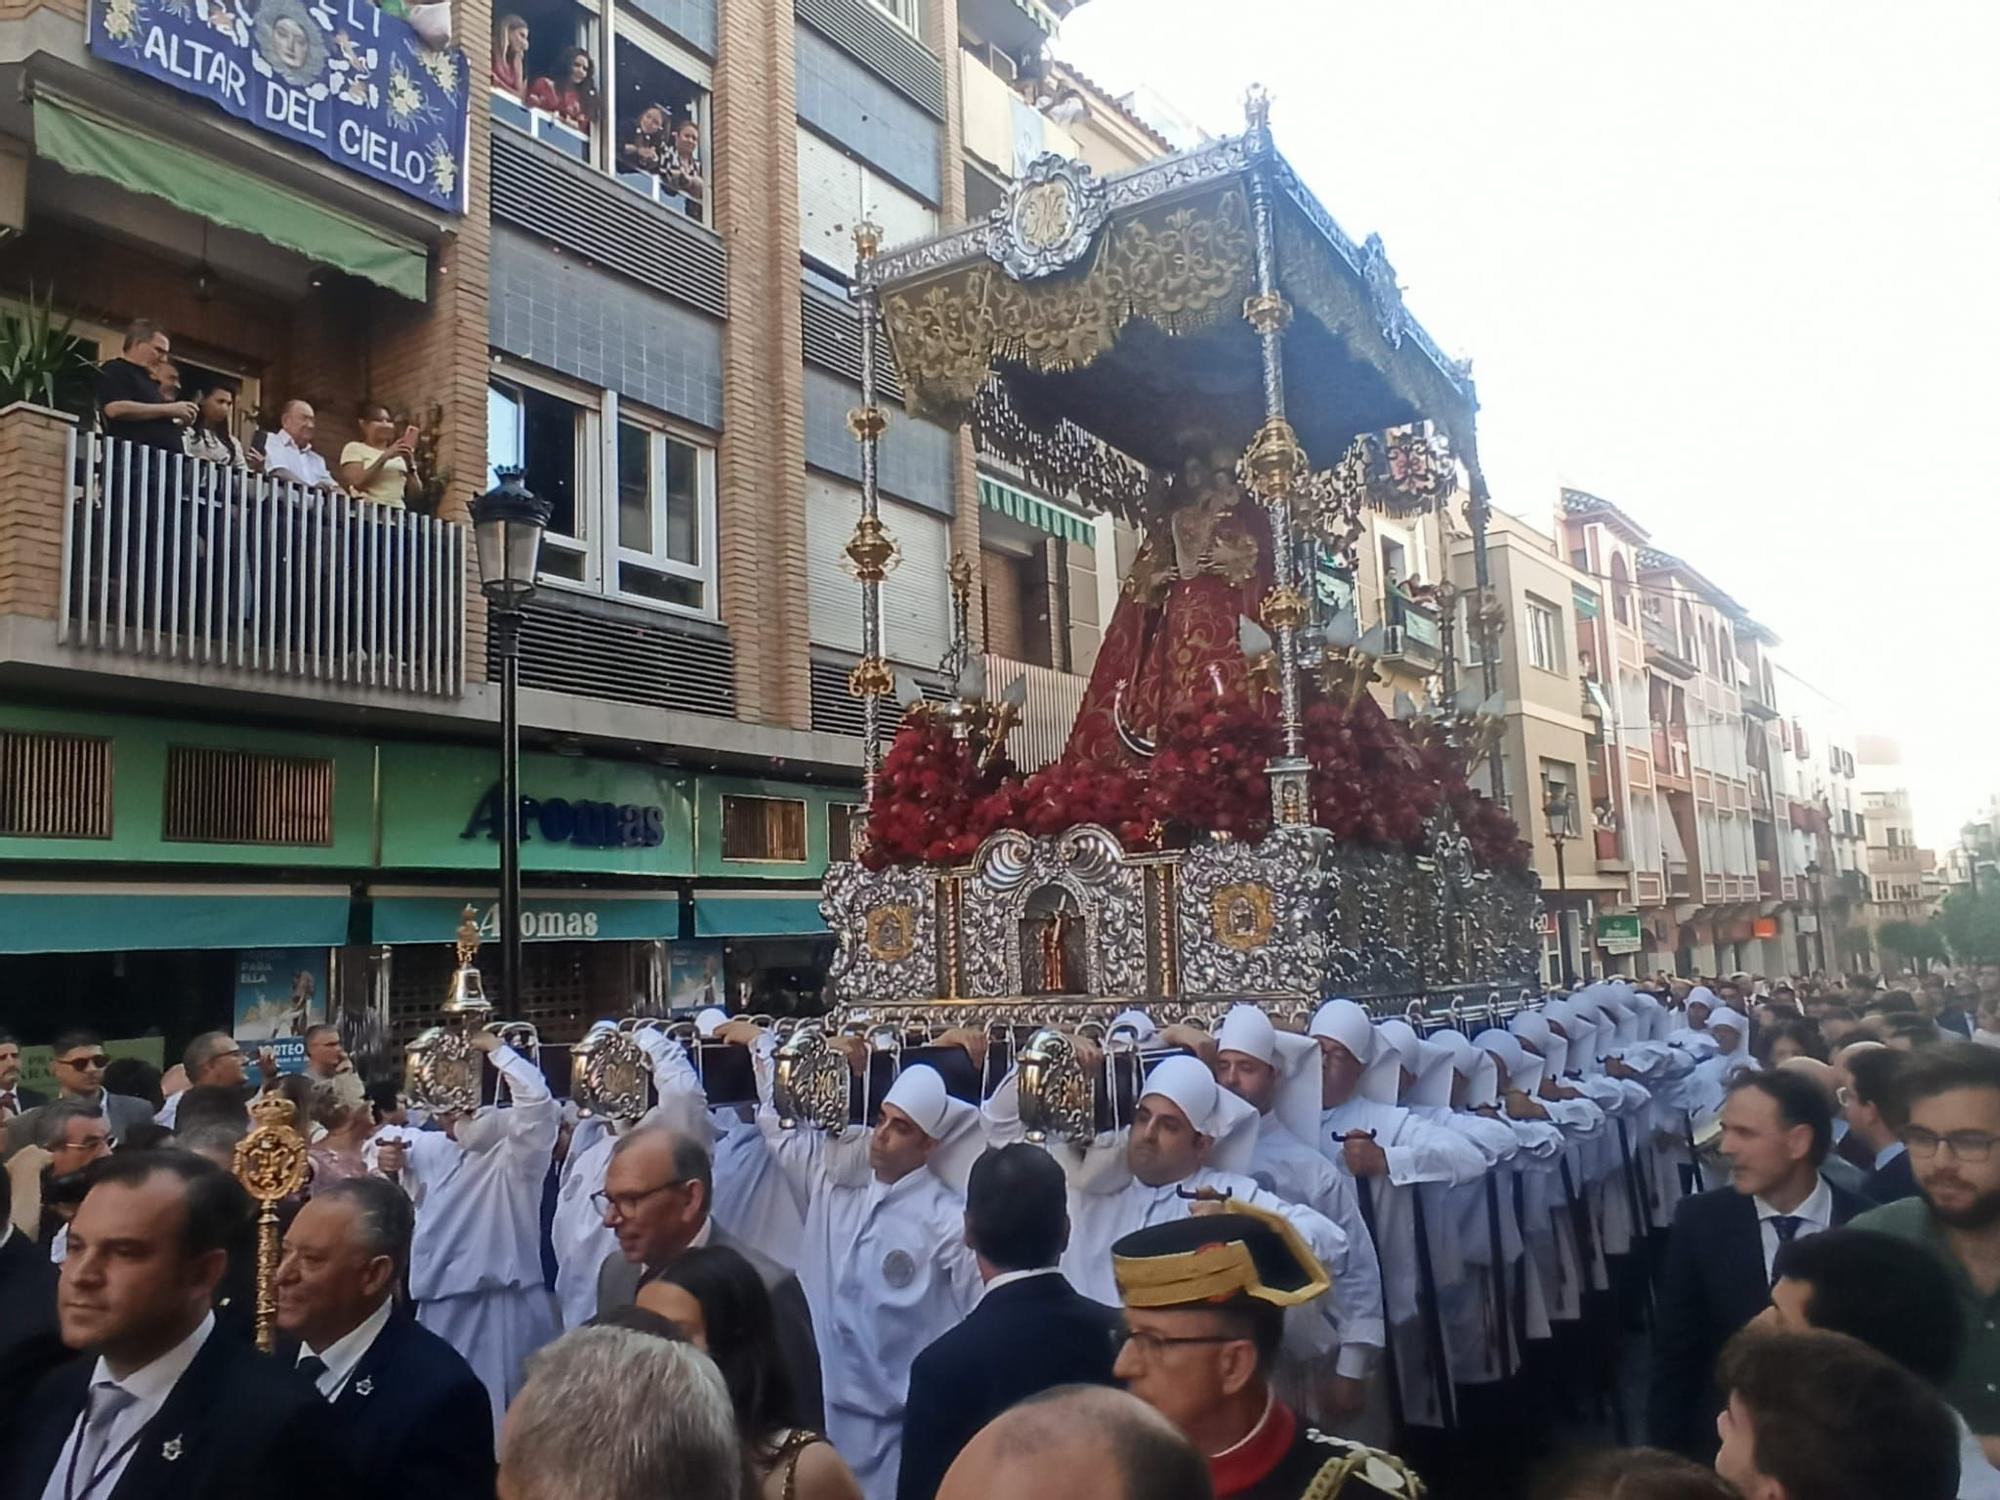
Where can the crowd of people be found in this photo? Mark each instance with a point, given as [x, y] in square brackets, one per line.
[1366, 1256]
[140, 402]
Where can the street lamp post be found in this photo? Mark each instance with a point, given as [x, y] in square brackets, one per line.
[1819, 921]
[1559, 808]
[507, 526]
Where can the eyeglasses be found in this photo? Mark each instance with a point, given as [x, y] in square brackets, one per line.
[1153, 1345]
[1966, 1145]
[1844, 1095]
[84, 1064]
[627, 1204]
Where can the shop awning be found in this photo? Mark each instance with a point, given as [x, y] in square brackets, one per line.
[89, 143]
[426, 915]
[1031, 510]
[758, 914]
[36, 917]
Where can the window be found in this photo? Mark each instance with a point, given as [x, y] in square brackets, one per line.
[636, 520]
[1544, 632]
[902, 12]
[840, 831]
[836, 191]
[1395, 563]
[769, 830]
[1621, 583]
[916, 597]
[657, 99]
[554, 32]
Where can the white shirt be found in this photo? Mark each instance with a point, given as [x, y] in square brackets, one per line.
[169, 1112]
[1005, 1278]
[302, 464]
[346, 1352]
[151, 1384]
[1977, 1478]
[479, 1197]
[1297, 1173]
[1816, 1213]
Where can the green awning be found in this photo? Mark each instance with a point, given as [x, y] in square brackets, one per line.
[1585, 602]
[98, 147]
[759, 914]
[127, 918]
[1043, 515]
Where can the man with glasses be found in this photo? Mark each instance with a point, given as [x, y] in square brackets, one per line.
[78, 1060]
[1951, 1096]
[213, 1059]
[1205, 1300]
[656, 1197]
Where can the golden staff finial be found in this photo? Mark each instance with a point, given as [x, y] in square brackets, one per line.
[271, 1165]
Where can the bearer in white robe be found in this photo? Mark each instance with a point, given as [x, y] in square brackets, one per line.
[1188, 1134]
[577, 1230]
[1548, 1231]
[476, 1263]
[884, 1262]
[1390, 1152]
[1709, 1083]
[1277, 1072]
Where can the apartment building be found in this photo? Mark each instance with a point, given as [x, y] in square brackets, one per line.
[247, 729]
[1696, 778]
[1829, 827]
[1905, 884]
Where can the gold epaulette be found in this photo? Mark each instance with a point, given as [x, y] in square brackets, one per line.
[1384, 1471]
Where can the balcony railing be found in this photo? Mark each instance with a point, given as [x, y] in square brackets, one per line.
[169, 557]
[1680, 881]
[1053, 700]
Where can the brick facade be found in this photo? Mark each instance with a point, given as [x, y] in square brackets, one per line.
[34, 449]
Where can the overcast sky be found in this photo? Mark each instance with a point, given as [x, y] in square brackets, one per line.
[1735, 267]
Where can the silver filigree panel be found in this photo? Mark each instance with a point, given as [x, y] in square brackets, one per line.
[887, 927]
[1254, 919]
[1107, 894]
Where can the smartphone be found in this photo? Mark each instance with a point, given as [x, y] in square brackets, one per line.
[410, 435]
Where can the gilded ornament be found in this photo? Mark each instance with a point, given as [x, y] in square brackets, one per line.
[871, 678]
[1284, 608]
[891, 933]
[867, 423]
[1242, 916]
[271, 1164]
[1267, 312]
[872, 550]
[1274, 460]
[867, 240]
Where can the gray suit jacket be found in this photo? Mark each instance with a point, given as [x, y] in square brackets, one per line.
[618, 1282]
[122, 1110]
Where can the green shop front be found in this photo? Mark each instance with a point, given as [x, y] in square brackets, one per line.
[168, 876]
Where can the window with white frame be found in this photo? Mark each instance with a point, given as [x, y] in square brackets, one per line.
[1543, 628]
[631, 497]
[902, 12]
[1468, 633]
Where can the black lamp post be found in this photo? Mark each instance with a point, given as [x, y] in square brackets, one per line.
[507, 526]
[1559, 808]
[1819, 921]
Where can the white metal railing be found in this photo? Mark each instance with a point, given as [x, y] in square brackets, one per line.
[181, 559]
[1051, 708]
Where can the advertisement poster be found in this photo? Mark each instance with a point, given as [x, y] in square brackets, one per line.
[694, 978]
[279, 993]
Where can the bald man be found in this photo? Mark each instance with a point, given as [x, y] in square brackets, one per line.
[1836, 1169]
[1078, 1443]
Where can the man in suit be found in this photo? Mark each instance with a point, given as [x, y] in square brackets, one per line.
[421, 1423]
[158, 1407]
[30, 1338]
[1030, 1332]
[68, 1135]
[1873, 1105]
[78, 1060]
[1776, 1130]
[14, 1100]
[657, 1190]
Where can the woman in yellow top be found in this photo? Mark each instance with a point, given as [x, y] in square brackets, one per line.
[380, 465]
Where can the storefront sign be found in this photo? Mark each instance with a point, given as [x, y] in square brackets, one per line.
[584, 823]
[279, 993]
[1618, 934]
[1764, 927]
[609, 916]
[339, 77]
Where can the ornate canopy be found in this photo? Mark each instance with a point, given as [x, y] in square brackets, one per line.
[1117, 306]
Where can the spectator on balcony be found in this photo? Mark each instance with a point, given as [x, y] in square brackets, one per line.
[682, 170]
[570, 92]
[510, 57]
[129, 394]
[381, 465]
[211, 438]
[650, 145]
[288, 452]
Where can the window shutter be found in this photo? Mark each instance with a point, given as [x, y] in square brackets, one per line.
[916, 597]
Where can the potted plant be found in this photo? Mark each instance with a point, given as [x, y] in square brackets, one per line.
[42, 362]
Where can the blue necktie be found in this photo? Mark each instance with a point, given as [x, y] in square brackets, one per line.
[1787, 1226]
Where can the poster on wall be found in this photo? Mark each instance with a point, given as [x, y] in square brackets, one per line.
[279, 993]
[695, 979]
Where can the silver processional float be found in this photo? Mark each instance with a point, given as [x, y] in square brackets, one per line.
[1234, 816]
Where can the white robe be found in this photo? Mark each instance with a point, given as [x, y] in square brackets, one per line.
[1293, 1170]
[476, 1262]
[753, 1199]
[885, 1270]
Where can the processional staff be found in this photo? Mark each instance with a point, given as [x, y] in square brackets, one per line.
[271, 1164]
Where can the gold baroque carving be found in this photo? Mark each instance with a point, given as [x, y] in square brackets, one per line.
[1242, 916]
[1179, 267]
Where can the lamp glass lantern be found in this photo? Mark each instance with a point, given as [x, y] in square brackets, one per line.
[1559, 807]
[507, 526]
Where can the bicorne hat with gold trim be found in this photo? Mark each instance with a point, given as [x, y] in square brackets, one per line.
[1245, 1251]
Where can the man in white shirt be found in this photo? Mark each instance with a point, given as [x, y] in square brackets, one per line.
[288, 452]
[421, 1425]
[476, 1267]
[164, 1409]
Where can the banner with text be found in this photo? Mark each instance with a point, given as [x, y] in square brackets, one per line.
[340, 77]
[279, 993]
